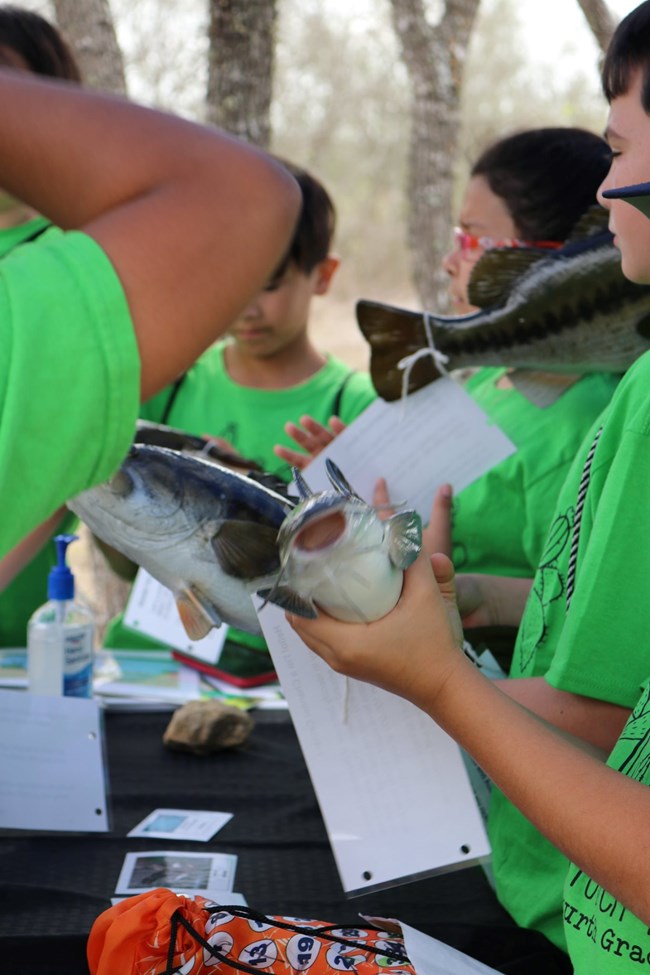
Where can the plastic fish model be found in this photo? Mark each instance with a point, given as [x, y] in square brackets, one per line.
[338, 554]
[207, 533]
[160, 435]
[570, 310]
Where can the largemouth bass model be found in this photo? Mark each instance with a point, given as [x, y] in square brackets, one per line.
[569, 311]
[336, 553]
[207, 533]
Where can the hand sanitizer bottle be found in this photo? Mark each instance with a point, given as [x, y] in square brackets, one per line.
[60, 636]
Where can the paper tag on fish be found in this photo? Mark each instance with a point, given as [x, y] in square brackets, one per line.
[151, 610]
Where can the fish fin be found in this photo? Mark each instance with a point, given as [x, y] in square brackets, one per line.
[393, 333]
[304, 490]
[339, 481]
[404, 532]
[198, 615]
[593, 221]
[246, 549]
[541, 388]
[273, 482]
[288, 599]
[495, 273]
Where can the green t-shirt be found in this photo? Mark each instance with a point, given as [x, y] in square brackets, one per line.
[252, 420]
[500, 521]
[598, 648]
[603, 937]
[69, 378]
[29, 589]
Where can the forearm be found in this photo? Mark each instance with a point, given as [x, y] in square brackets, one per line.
[575, 800]
[597, 722]
[16, 560]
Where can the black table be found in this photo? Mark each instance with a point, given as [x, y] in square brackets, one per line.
[53, 886]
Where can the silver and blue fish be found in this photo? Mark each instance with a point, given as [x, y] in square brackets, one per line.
[336, 553]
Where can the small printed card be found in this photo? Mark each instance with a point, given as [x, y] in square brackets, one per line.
[181, 824]
[184, 873]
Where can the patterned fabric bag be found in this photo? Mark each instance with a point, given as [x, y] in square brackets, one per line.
[162, 933]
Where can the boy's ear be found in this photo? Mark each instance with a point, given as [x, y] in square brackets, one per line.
[326, 271]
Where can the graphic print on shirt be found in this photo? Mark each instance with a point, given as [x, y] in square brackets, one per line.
[549, 586]
[596, 922]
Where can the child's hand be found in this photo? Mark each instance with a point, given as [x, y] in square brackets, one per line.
[409, 652]
[436, 537]
[311, 436]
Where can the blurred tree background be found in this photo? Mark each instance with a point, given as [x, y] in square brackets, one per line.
[341, 102]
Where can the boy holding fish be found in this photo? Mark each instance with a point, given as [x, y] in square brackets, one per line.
[589, 644]
[268, 370]
[122, 284]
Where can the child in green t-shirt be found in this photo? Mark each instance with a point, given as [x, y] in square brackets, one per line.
[594, 575]
[267, 372]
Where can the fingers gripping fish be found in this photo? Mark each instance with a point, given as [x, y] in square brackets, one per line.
[206, 532]
[338, 554]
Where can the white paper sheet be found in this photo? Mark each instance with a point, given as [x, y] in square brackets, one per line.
[432, 957]
[392, 787]
[435, 436]
[51, 768]
[151, 610]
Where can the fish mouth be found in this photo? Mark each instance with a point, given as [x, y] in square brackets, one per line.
[321, 533]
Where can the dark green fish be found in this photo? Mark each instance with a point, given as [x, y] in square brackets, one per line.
[570, 311]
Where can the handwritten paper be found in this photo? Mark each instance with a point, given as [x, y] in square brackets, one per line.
[435, 436]
[51, 769]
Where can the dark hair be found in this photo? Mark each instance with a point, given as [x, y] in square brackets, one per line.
[37, 42]
[314, 231]
[547, 178]
[629, 50]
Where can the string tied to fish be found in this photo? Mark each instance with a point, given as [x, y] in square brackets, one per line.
[406, 364]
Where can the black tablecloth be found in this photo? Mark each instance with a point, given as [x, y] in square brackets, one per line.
[53, 886]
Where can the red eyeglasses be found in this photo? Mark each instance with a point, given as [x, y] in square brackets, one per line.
[468, 244]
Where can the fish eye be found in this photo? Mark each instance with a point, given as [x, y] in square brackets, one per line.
[321, 532]
[121, 484]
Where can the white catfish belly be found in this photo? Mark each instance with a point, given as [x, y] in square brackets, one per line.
[357, 588]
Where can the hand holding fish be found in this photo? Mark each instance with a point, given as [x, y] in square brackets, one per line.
[410, 652]
[483, 600]
[311, 436]
[436, 537]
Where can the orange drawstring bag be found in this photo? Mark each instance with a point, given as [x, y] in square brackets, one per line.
[162, 933]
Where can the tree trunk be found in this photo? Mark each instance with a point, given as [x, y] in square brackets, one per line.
[601, 20]
[88, 27]
[240, 67]
[434, 58]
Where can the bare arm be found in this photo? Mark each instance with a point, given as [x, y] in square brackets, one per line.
[193, 220]
[552, 780]
[597, 722]
[16, 560]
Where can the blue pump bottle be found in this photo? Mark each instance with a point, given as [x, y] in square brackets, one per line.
[60, 636]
